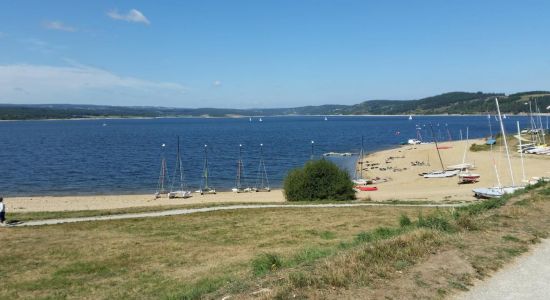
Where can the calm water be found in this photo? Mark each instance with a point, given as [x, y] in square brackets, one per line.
[85, 157]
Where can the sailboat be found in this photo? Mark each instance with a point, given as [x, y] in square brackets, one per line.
[442, 173]
[359, 180]
[499, 191]
[465, 175]
[205, 188]
[262, 182]
[410, 117]
[260, 120]
[326, 119]
[239, 188]
[162, 177]
[178, 191]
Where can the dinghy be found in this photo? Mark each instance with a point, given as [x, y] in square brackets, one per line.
[180, 191]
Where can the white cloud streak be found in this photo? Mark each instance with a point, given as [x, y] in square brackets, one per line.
[23, 83]
[133, 16]
[217, 83]
[57, 25]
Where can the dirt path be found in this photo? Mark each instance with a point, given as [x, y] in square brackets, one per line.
[174, 212]
[527, 278]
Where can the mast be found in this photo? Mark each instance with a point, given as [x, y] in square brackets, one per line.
[239, 168]
[490, 127]
[437, 148]
[179, 165]
[465, 147]
[205, 172]
[521, 152]
[361, 158]
[505, 143]
[540, 122]
[312, 150]
[163, 171]
[262, 182]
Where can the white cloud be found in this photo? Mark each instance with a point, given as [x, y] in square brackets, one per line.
[57, 25]
[217, 83]
[133, 15]
[23, 83]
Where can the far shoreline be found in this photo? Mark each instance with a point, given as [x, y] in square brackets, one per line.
[255, 116]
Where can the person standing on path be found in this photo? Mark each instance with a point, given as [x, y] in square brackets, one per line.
[2, 211]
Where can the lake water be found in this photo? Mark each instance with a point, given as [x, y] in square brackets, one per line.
[123, 156]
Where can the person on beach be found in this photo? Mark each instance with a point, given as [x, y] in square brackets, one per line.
[2, 211]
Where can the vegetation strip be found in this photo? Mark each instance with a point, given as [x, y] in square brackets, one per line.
[175, 212]
[376, 256]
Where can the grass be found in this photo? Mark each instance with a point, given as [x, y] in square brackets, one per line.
[29, 216]
[175, 257]
[359, 252]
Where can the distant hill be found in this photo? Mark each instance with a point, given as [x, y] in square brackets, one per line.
[448, 103]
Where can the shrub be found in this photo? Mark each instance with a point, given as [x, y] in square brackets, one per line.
[318, 180]
[265, 263]
[404, 220]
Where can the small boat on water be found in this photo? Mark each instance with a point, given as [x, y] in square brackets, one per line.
[178, 190]
[326, 119]
[410, 117]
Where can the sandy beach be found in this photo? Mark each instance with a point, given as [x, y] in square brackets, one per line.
[393, 165]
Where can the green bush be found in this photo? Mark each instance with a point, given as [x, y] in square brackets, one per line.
[404, 220]
[265, 263]
[318, 180]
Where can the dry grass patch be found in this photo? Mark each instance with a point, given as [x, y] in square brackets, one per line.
[179, 256]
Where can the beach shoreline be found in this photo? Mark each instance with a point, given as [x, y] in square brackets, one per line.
[398, 167]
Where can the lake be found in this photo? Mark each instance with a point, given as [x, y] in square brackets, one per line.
[122, 156]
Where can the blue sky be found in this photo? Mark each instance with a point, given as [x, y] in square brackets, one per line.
[261, 53]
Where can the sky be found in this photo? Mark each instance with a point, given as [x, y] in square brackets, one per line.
[268, 53]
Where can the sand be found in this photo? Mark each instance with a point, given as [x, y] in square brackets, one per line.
[408, 185]
[403, 182]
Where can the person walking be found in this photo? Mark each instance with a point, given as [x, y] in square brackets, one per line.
[2, 211]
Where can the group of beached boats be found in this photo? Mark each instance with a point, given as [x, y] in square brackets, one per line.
[178, 187]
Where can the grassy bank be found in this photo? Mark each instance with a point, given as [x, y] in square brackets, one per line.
[45, 215]
[368, 252]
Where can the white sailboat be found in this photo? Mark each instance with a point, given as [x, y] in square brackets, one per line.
[465, 175]
[499, 191]
[239, 187]
[162, 176]
[410, 117]
[443, 173]
[359, 179]
[179, 190]
[205, 187]
[262, 182]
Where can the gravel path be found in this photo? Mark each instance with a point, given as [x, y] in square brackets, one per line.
[527, 278]
[188, 211]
